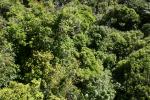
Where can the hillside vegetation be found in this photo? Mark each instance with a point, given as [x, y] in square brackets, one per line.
[74, 49]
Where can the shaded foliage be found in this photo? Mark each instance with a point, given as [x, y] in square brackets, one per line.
[74, 50]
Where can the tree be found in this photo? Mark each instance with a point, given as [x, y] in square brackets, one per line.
[100, 88]
[19, 91]
[8, 68]
[75, 18]
[141, 7]
[122, 18]
[133, 74]
[146, 29]
[74, 49]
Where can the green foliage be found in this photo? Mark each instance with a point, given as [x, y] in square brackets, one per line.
[92, 78]
[74, 50]
[100, 88]
[81, 40]
[8, 68]
[108, 60]
[97, 35]
[89, 66]
[30, 26]
[38, 66]
[141, 7]
[122, 18]
[119, 43]
[4, 7]
[75, 18]
[89, 61]
[146, 29]
[134, 75]
[19, 91]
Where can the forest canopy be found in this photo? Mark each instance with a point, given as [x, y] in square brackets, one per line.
[74, 49]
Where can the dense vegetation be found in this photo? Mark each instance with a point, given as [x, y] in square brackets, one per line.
[74, 49]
